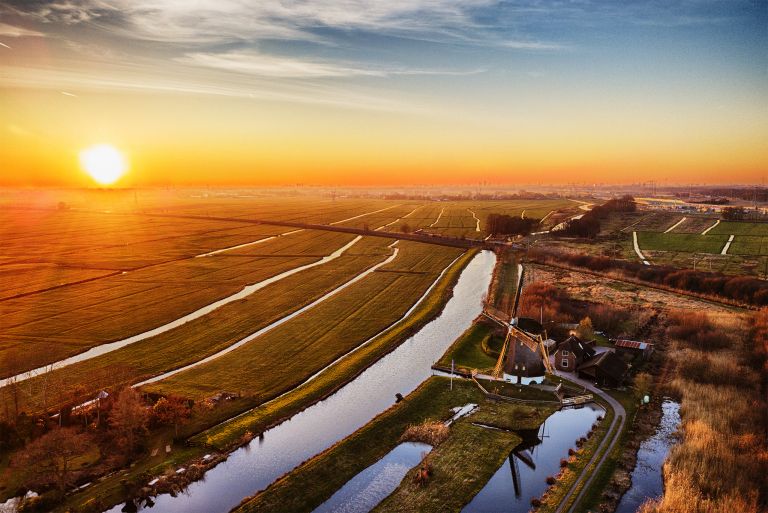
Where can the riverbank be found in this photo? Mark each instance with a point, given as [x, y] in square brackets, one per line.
[461, 464]
[225, 437]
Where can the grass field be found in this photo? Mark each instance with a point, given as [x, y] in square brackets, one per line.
[72, 319]
[218, 329]
[474, 349]
[281, 358]
[158, 279]
[692, 243]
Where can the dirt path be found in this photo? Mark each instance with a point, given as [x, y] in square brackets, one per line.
[438, 218]
[707, 230]
[681, 221]
[611, 438]
[637, 249]
[477, 228]
[727, 245]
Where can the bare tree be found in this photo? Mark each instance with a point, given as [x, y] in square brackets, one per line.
[48, 460]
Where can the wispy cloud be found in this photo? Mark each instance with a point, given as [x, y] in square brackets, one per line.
[12, 31]
[256, 63]
[115, 80]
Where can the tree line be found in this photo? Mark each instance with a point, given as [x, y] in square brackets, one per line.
[502, 224]
[588, 226]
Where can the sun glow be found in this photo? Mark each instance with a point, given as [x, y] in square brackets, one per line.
[104, 163]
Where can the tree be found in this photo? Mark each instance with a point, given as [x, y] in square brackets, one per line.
[643, 383]
[128, 419]
[405, 228]
[734, 213]
[585, 331]
[171, 411]
[48, 460]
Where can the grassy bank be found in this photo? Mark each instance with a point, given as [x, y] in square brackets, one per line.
[474, 349]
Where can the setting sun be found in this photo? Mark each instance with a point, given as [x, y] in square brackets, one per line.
[104, 163]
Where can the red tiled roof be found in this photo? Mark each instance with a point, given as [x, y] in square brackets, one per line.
[631, 344]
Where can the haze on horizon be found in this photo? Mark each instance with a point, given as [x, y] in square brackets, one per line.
[367, 92]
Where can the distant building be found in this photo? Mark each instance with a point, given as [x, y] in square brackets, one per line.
[571, 352]
[605, 369]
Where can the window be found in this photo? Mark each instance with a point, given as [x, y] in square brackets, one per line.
[565, 352]
[564, 363]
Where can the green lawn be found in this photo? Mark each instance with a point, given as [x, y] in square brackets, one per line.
[467, 351]
[685, 242]
[740, 228]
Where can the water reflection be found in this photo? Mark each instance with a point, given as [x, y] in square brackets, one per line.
[523, 475]
[647, 482]
[367, 489]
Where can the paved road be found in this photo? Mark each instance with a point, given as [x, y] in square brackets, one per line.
[611, 438]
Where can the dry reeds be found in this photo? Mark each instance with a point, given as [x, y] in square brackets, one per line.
[721, 463]
[429, 432]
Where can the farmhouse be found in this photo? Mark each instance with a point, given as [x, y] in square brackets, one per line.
[605, 369]
[571, 352]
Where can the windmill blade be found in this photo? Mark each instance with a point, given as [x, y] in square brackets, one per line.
[498, 370]
[496, 320]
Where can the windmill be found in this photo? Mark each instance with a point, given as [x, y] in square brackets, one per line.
[533, 343]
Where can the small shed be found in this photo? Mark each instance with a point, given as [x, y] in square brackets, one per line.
[633, 348]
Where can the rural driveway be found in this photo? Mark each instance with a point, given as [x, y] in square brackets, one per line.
[619, 416]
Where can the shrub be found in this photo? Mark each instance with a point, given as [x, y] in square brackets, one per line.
[551, 480]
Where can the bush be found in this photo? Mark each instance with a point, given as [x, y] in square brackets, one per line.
[563, 463]
[551, 480]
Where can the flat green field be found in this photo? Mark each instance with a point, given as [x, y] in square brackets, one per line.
[211, 333]
[740, 228]
[278, 360]
[687, 242]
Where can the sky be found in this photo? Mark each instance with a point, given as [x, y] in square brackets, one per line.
[385, 92]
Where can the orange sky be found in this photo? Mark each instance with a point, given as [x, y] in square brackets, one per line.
[565, 99]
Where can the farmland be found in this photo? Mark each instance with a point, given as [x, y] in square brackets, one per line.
[160, 282]
[285, 356]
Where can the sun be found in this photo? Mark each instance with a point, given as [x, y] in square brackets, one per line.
[104, 163]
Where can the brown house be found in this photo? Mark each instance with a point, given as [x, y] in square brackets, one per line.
[571, 352]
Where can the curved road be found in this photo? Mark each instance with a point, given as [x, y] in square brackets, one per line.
[619, 416]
